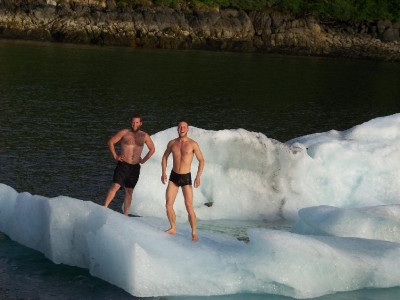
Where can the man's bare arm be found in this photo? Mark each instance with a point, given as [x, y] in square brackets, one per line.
[111, 144]
[149, 143]
[200, 158]
[164, 162]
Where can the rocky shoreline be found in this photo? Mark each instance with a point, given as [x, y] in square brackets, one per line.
[104, 23]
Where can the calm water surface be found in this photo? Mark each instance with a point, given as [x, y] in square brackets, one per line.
[59, 104]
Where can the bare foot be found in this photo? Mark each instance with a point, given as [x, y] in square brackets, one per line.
[195, 238]
[171, 231]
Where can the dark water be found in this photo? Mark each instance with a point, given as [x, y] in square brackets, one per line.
[59, 104]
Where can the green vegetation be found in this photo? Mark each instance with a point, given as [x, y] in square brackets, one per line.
[341, 10]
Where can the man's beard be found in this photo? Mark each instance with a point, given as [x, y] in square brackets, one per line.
[133, 129]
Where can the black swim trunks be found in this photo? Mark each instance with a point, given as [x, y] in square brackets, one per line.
[180, 179]
[126, 174]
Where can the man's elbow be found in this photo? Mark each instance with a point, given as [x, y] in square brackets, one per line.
[110, 142]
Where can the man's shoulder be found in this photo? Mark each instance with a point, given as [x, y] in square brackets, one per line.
[192, 141]
[173, 142]
[123, 131]
[144, 133]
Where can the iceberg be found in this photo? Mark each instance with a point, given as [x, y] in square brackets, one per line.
[136, 255]
[341, 189]
[250, 176]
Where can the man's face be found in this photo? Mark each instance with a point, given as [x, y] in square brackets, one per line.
[136, 123]
[183, 129]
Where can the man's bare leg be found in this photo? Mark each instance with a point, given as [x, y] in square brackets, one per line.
[111, 194]
[170, 195]
[127, 200]
[188, 195]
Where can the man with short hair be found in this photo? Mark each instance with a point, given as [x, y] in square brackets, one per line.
[183, 149]
[128, 167]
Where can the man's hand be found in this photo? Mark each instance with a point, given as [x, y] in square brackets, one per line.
[164, 178]
[120, 158]
[197, 182]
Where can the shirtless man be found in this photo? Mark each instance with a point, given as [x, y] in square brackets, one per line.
[182, 148]
[128, 167]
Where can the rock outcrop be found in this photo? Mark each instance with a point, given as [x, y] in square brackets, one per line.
[104, 23]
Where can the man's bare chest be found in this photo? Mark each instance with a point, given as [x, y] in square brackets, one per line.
[182, 149]
[133, 140]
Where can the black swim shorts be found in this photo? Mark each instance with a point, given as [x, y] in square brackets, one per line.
[126, 174]
[180, 179]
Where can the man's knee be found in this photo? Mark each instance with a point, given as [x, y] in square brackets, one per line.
[190, 210]
[115, 187]
[169, 205]
[189, 204]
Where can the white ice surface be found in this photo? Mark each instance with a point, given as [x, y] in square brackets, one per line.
[374, 222]
[136, 255]
[249, 176]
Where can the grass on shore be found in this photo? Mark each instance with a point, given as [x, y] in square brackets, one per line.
[338, 10]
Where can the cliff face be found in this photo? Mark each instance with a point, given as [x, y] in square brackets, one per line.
[104, 23]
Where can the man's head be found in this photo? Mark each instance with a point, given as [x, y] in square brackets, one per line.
[183, 129]
[136, 122]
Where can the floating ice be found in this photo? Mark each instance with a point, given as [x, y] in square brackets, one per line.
[376, 222]
[249, 176]
[136, 255]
